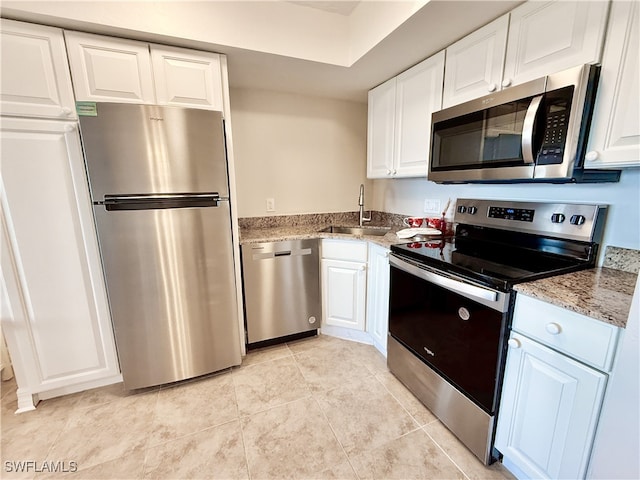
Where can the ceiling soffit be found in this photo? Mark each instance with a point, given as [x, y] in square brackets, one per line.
[276, 45]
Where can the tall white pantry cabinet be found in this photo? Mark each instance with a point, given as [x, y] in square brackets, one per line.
[55, 314]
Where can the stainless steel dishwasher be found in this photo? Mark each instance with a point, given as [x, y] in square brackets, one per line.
[281, 283]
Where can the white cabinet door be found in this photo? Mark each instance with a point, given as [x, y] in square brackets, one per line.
[548, 412]
[418, 95]
[381, 130]
[378, 296]
[187, 78]
[108, 69]
[547, 37]
[57, 320]
[615, 131]
[343, 293]
[35, 72]
[474, 64]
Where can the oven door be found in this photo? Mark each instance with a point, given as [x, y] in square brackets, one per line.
[456, 328]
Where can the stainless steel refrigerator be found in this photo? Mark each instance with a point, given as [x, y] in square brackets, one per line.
[160, 190]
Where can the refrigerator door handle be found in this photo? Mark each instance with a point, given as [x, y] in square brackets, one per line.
[148, 202]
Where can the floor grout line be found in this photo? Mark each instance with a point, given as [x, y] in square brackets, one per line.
[446, 453]
[346, 455]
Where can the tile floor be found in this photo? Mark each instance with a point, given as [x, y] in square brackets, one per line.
[312, 409]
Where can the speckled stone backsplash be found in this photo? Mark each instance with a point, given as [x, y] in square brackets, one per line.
[624, 259]
[340, 218]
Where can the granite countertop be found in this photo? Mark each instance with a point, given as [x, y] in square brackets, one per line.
[301, 232]
[601, 293]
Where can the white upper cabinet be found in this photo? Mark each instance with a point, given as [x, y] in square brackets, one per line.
[615, 131]
[108, 69]
[474, 64]
[399, 128]
[547, 37]
[35, 72]
[533, 40]
[186, 78]
[418, 95]
[381, 129]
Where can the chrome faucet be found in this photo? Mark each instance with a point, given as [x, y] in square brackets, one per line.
[361, 205]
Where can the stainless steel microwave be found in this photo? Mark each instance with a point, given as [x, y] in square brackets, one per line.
[534, 132]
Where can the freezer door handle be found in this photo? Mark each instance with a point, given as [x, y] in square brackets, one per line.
[156, 201]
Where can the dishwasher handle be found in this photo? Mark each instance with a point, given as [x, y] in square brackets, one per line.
[282, 253]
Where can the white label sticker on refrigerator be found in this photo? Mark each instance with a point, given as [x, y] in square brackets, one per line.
[87, 109]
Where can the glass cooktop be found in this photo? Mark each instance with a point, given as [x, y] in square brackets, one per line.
[492, 264]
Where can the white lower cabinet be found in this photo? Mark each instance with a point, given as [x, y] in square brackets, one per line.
[550, 406]
[55, 315]
[378, 296]
[551, 402]
[344, 283]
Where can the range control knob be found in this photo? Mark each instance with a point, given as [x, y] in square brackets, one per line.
[557, 218]
[472, 210]
[462, 209]
[577, 220]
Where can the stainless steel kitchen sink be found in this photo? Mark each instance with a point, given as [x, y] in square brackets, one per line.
[366, 230]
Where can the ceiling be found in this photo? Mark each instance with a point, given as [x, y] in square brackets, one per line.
[431, 29]
[335, 6]
[431, 26]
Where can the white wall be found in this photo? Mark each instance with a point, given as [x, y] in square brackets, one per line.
[623, 219]
[307, 153]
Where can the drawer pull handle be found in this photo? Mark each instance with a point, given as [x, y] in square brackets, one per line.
[553, 328]
[514, 343]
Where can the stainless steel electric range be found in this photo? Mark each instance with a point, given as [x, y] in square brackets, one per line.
[451, 302]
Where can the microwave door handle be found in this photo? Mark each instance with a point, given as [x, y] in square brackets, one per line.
[527, 129]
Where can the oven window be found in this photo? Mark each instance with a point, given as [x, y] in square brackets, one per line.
[488, 138]
[459, 338]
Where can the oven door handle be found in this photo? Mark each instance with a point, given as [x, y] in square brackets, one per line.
[479, 294]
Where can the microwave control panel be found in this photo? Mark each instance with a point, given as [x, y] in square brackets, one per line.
[556, 120]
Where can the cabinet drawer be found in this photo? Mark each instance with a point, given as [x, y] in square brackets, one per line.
[353, 251]
[590, 341]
